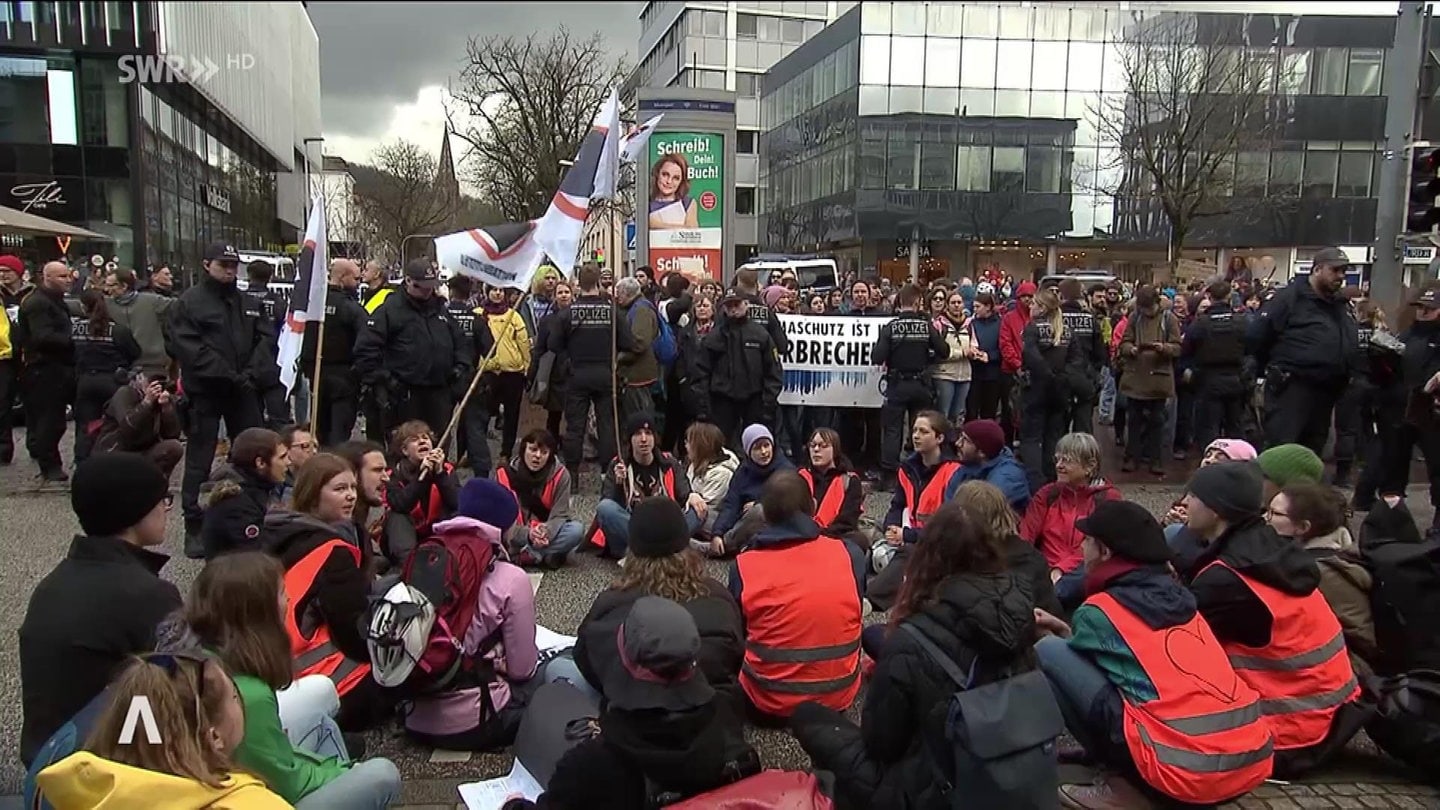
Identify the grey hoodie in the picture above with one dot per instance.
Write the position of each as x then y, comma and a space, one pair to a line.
144, 314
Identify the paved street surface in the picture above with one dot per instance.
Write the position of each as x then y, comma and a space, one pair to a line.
39, 525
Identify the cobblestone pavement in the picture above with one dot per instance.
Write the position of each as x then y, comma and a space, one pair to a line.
38, 526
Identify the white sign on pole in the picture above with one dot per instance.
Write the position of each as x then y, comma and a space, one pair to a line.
829, 363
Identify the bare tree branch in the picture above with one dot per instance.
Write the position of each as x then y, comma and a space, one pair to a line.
399, 196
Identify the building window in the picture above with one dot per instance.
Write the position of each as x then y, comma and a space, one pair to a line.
746, 26
1251, 170
1007, 171
1042, 169
1319, 176
745, 142
1329, 72
24, 97
937, 166
61, 86
744, 200
1354, 176
792, 32
901, 169
747, 85
1285, 173
972, 168
1366, 66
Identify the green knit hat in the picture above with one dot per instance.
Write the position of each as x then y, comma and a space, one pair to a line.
1286, 464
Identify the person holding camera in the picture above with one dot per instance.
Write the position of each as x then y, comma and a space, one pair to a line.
142, 418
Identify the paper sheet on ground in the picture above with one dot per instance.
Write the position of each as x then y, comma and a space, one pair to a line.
492, 793
547, 639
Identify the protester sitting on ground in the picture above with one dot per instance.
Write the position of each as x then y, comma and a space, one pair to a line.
1288, 464
102, 602
1218, 451
372, 472
1260, 594
641, 472
1130, 693
799, 594
1049, 523
984, 457
301, 445
327, 586
991, 512
923, 479
740, 517
200, 720
710, 470
422, 488
484, 717
546, 532
961, 598
141, 418
303, 757
1313, 515
664, 733
242, 491
660, 563
837, 489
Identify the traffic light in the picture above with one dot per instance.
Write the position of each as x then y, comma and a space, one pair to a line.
1421, 212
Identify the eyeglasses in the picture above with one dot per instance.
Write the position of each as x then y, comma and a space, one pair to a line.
1271, 513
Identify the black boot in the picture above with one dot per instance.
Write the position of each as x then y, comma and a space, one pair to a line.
1342, 478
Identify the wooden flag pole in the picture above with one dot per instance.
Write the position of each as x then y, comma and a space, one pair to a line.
315, 379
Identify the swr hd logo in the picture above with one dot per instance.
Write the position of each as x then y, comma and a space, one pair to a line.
140, 714
172, 69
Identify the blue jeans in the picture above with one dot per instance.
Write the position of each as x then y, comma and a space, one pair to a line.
1107, 395
614, 520
564, 542
1083, 691
951, 396
562, 668
307, 708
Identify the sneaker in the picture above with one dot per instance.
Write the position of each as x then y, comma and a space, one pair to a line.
1109, 792
866, 608
1179, 455
1342, 478
54, 476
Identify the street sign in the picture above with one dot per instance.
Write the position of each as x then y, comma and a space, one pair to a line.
630, 236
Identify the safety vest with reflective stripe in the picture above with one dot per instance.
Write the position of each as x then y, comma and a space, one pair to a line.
802, 625
918, 511
1303, 675
1203, 739
667, 481
830, 505
547, 495
431, 509
317, 655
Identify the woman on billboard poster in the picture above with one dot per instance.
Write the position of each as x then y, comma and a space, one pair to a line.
671, 207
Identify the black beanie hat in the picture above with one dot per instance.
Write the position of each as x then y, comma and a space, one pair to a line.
636, 423
112, 492
1127, 529
658, 528
1232, 490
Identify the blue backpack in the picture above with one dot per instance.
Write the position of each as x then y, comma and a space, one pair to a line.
664, 345
64, 742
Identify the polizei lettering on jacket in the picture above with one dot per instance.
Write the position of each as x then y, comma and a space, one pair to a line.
910, 330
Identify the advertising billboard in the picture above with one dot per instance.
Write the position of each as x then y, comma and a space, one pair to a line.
685, 224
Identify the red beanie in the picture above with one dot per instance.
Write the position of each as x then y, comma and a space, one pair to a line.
12, 263
987, 436
1025, 288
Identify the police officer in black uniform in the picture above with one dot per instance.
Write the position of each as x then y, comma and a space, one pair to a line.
224, 345
1420, 370
473, 423
276, 308
908, 345
412, 353
746, 285
1215, 343
737, 372
590, 334
43, 339
1084, 377
339, 389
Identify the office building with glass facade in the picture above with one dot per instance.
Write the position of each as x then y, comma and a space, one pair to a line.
977, 132
98, 129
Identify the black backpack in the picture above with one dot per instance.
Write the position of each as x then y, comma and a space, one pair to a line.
1001, 733
1406, 723
1404, 595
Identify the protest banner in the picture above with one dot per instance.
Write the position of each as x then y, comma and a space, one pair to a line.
829, 363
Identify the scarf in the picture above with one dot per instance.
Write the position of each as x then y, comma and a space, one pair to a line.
529, 486
1101, 575
493, 309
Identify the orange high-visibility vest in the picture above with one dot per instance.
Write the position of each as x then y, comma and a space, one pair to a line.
547, 495
931, 498
802, 626
667, 481
1203, 740
1303, 675
828, 507
318, 655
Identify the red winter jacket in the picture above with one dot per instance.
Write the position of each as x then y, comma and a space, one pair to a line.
1012, 325
1049, 523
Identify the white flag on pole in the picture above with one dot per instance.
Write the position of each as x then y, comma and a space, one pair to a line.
307, 300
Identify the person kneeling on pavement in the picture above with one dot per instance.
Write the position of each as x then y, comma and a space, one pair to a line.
1143, 683
960, 598
642, 471
141, 418
241, 492
664, 733
660, 563
502, 631
422, 490
799, 595
1260, 594
546, 532
739, 518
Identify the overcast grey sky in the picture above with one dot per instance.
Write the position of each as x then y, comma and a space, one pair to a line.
382, 65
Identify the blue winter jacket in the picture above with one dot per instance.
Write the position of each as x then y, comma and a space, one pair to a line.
987, 337
1004, 471
745, 488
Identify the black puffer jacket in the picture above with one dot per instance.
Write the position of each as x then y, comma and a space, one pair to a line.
888, 765
235, 502
339, 599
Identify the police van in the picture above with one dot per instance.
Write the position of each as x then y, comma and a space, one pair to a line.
811, 272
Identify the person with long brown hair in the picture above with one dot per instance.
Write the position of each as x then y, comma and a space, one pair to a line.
1048, 352
104, 353
960, 597
236, 609
198, 723
987, 505
661, 563
710, 470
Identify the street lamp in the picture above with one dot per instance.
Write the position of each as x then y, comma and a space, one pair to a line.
309, 192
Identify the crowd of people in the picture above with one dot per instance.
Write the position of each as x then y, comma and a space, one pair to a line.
351, 583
